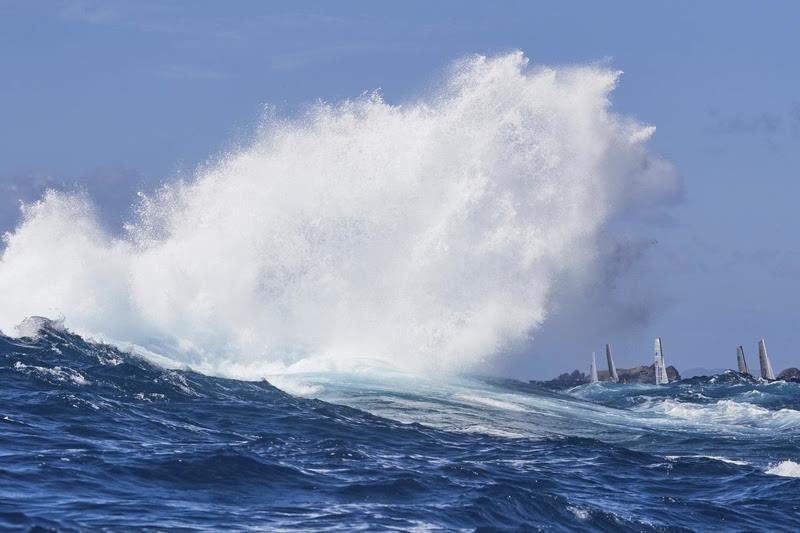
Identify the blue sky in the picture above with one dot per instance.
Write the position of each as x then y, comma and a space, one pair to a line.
119, 96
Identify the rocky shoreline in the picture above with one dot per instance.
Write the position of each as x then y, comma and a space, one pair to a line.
639, 374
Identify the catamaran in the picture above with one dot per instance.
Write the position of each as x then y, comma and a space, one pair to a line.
593, 370
612, 369
763, 358
660, 367
740, 360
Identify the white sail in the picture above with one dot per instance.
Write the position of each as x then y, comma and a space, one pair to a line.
657, 361
763, 358
741, 361
593, 370
659, 366
612, 369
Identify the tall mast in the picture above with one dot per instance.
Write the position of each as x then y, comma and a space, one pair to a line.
740, 360
763, 358
593, 370
612, 370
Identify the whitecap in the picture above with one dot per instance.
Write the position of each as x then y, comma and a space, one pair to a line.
63, 374
725, 413
784, 469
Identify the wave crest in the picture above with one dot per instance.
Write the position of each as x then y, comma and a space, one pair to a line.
784, 469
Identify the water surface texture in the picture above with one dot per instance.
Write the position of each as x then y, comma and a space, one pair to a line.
91, 437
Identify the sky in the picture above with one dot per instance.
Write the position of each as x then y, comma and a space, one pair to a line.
119, 96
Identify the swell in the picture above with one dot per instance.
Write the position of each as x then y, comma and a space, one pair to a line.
136, 445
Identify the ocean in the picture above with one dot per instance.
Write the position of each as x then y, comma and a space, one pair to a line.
95, 438
296, 322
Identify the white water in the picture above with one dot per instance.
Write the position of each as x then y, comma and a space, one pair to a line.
426, 236
728, 414
785, 469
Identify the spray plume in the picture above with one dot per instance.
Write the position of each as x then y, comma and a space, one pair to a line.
427, 236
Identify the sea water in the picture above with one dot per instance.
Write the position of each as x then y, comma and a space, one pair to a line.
92, 437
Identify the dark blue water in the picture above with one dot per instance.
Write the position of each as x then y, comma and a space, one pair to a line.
93, 438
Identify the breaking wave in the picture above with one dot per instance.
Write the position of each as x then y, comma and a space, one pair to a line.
418, 236
784, 469
728, 413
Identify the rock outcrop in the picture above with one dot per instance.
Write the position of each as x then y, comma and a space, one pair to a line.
790, 374
565, 381
639, 374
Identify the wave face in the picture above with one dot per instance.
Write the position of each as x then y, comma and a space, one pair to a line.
94, 438
426, 236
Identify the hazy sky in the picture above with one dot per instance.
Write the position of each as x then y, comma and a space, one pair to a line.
117, 96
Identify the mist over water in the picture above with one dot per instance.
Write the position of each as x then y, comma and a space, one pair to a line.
422, 236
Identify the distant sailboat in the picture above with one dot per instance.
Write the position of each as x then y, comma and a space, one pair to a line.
593, 370
763, 358
612, 369
660, 367
740, 360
